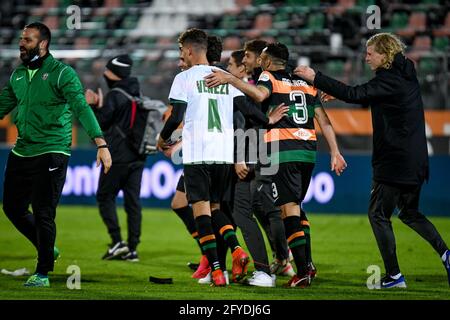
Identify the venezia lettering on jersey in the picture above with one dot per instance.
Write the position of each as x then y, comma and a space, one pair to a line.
221, 89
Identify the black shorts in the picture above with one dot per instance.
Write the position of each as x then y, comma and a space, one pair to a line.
180, 185
206, 182
291, 182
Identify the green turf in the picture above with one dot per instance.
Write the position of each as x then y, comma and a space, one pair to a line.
343, 248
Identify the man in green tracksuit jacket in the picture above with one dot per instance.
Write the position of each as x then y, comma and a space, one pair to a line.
46, 93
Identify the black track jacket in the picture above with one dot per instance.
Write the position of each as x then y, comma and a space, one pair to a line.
400, 153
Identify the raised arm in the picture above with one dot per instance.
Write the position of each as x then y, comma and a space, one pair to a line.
217, 77
363, 94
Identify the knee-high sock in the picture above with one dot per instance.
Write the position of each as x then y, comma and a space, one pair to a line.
222, 250
307, 230
208, 240
297, 243
223, 225
187, 216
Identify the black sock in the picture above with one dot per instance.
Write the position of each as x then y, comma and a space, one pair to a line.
297, 243
223, 225
187, 216
208, 240
222, 250
307, 230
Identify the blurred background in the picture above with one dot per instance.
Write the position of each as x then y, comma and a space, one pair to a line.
328, 35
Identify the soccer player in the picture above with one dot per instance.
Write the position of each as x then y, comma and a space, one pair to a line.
179, 202
400, 156
245, 190
46, 93
297, 144
268, 215
207, 144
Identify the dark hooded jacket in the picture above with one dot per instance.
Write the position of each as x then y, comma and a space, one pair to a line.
400, 153
116, 112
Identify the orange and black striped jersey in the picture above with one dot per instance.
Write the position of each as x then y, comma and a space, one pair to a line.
295, 133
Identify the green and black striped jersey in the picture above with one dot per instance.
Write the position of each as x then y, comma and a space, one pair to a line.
295, 133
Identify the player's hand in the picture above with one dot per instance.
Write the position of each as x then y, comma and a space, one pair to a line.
338, 164
306, 73
91, 97
278, 113
103, 156
217, 78
161, 145
325, 97
241, 170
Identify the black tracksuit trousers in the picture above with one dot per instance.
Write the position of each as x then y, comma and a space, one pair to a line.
126, 177
37, 181
384, 199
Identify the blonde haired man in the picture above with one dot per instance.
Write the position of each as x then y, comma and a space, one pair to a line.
400, 157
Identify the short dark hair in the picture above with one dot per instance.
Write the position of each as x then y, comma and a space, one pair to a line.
255, 46
196, 37
238, 56
277, 51
214, 51
44, 31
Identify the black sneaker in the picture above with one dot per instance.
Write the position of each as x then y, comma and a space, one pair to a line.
193, 266
116, 251
131, 256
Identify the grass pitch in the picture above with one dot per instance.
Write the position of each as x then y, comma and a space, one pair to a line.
343, 248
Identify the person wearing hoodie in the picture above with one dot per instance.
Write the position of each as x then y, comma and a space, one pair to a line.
400, 156
114, 115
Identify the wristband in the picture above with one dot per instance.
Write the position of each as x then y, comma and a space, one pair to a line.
102, 146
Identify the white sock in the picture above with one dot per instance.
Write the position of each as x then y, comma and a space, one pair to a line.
444, 256
397, 276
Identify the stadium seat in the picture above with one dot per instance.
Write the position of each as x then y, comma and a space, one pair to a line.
263, 21
50, 3
229, 22
443, 31
365, 3
428, 65
316, 22
308, 3
335, 67
417, 22
281, 19
422, 43
286, 40
130, 22
441, 44
261, 2
399, 20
